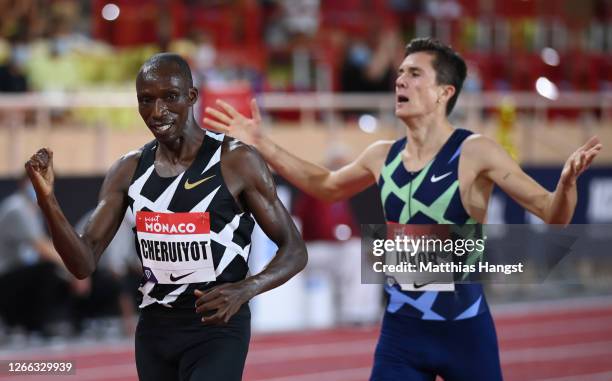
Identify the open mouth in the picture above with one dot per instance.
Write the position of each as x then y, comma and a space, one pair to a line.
402, 99
161, 128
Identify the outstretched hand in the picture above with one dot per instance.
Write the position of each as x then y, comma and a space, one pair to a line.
230, 122
40, 171
579, 161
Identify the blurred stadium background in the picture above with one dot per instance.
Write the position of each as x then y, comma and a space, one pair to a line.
540, 83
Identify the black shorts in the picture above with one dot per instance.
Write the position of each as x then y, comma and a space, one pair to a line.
173, 345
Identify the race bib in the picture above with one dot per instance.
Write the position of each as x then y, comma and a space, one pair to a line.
423, 258
175, 247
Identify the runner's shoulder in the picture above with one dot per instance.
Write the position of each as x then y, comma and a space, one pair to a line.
478, 146
122, 171
377, 150
241, 156
130, 159
239, 150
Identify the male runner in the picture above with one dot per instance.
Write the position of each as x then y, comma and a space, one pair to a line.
189, 196
436, 174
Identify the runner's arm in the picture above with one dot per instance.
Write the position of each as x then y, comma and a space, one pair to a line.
316, 180
259, 197
555, 207
262, 201
80, 253
319, 181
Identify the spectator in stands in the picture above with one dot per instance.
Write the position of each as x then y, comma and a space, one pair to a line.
443, 9
34, 282
12, 77
203, 60
369, 66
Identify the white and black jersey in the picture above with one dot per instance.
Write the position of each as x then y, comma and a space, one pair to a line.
210, 226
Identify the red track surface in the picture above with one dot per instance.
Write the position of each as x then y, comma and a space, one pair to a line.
557, 344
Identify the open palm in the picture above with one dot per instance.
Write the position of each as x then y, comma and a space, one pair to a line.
580, 160
230, 122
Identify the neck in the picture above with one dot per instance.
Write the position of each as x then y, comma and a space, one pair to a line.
426, 134
186, 146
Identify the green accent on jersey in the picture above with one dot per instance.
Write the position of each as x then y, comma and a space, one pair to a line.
435, 211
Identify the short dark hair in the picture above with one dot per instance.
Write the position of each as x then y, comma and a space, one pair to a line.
449, 66
160, 59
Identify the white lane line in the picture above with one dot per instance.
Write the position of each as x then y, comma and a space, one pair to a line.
311, 351
107, 372
508, 310
353, 374
542, 329
603, 376
509, 357
556, 352
78, 350
366, 347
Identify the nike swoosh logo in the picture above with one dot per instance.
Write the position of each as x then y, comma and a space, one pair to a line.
189, 185
417, 286
435, 179
176, 279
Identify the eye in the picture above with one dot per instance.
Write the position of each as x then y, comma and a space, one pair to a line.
172, 97
144, 100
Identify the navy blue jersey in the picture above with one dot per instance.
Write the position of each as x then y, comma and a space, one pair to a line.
429, 196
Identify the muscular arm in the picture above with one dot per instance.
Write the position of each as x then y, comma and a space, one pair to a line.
319, 181
553, 207
250, 179
262, 201
316, 180
80, 254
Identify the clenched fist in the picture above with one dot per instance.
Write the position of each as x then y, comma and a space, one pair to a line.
40, 172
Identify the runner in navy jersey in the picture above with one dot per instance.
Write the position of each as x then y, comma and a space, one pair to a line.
436, 174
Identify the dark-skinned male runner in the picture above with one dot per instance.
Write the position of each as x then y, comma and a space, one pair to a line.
190, 196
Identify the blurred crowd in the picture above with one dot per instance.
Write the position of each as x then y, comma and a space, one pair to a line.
290, 45
265, 45
40, 296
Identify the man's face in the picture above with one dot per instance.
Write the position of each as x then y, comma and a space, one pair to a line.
416, 91
164, 101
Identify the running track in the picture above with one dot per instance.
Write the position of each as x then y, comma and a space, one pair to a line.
561, 341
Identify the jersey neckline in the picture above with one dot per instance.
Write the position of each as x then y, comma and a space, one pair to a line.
198, 154
432, 160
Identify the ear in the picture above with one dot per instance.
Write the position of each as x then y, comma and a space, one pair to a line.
193, 95
446, 93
